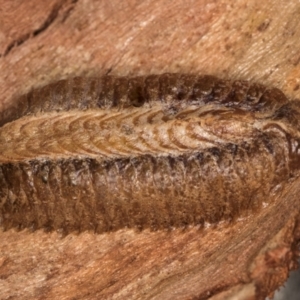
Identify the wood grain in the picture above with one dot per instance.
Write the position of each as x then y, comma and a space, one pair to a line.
252, 40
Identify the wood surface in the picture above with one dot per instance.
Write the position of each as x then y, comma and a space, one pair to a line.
43, 41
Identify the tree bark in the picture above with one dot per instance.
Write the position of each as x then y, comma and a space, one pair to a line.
41, 42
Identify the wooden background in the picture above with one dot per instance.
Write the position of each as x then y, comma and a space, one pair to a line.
43, 41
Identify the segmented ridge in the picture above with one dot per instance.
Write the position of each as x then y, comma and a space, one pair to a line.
142, 192
107, 92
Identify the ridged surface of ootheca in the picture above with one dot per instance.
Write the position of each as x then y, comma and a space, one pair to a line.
144, 152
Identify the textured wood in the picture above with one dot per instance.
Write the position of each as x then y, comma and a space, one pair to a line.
249, 40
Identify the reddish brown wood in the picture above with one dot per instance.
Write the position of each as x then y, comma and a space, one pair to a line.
257, 40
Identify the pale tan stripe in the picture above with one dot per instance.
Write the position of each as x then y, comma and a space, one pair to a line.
112, 134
